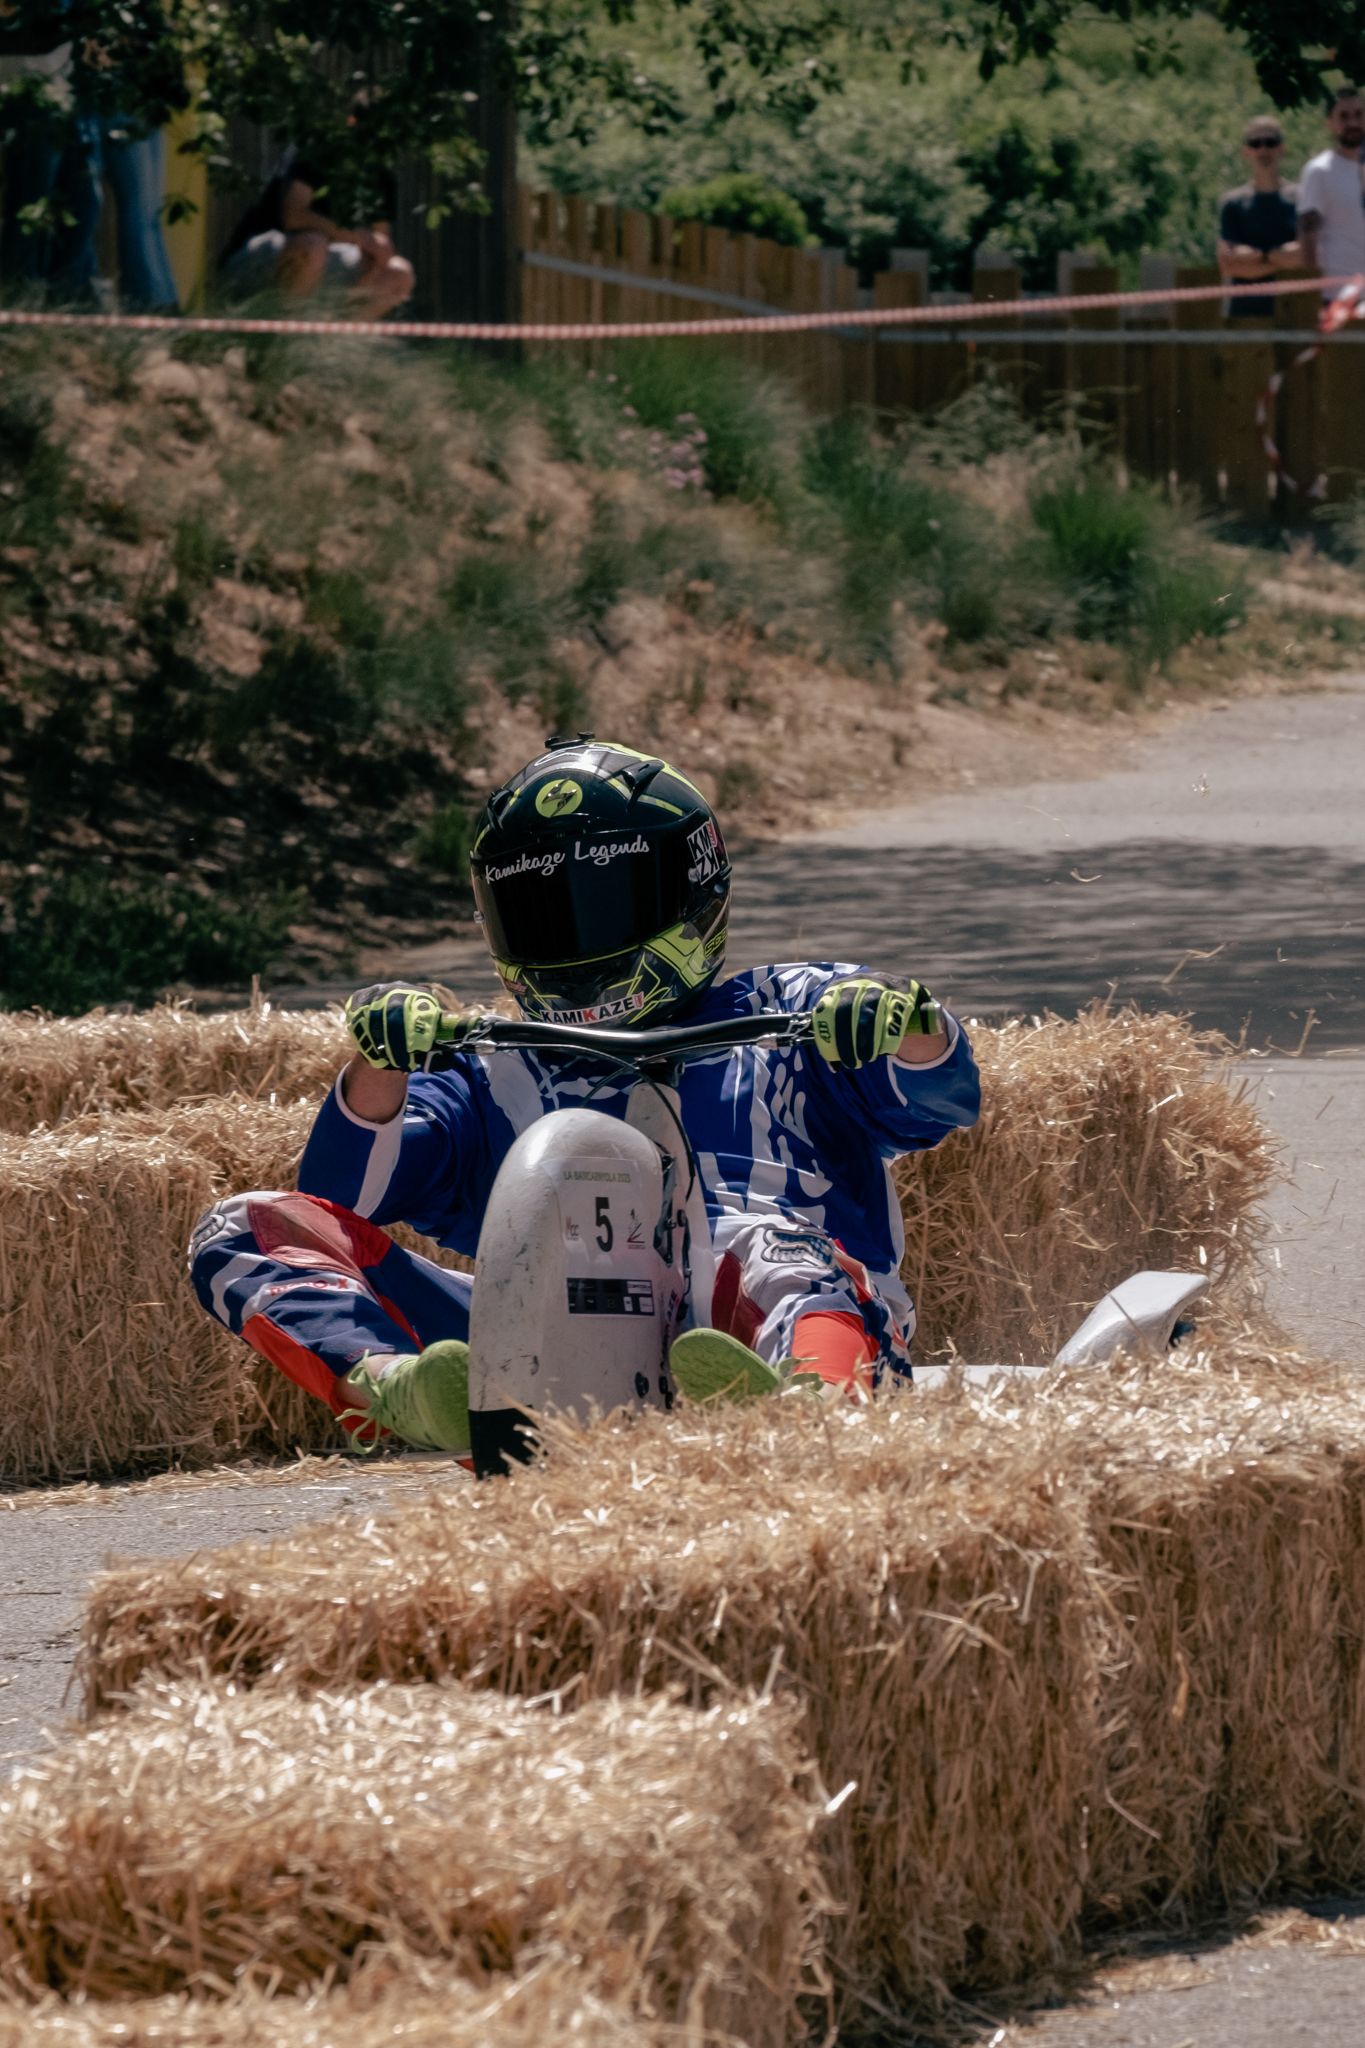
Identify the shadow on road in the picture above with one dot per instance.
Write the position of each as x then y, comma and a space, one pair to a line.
1282, 929
1240, 936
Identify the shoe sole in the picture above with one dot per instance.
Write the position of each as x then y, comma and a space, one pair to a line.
708, 1365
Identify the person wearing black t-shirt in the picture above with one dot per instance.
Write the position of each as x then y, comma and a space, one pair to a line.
290, 242
1258, 223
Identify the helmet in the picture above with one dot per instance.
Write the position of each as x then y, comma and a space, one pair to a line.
603, 884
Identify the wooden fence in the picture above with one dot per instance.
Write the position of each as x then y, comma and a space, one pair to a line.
1174, 387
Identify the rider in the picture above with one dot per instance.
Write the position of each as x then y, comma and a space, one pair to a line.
603, 884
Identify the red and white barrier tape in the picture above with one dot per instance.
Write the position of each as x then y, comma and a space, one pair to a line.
638, 330
1348, 305
1344, 308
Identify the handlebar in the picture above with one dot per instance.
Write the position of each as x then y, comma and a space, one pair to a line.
667, 1042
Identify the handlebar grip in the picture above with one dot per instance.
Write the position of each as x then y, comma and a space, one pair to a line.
458, 1026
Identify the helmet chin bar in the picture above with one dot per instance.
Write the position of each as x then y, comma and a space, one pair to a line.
653, 984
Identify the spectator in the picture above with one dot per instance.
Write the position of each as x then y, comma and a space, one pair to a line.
135, 165
32, 54
1256, 222
1331, 196
287, 241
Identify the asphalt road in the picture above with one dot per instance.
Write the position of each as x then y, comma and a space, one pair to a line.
1220, 867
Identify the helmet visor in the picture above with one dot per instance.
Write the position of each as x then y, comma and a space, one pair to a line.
605, 892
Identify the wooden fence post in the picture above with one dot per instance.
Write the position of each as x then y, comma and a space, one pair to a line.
1149, 420
637, 301
894, 361
1201, 433
1299, 424
1246, 368
995, 276
1095, 371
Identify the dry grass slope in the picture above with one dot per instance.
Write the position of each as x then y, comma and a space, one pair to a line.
213, 1843
1107, 1143
1081, 1653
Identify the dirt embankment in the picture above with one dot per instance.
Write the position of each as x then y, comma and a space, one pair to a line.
269, 623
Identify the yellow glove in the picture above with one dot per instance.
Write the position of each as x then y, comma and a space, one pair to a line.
405, 1030
858, 1021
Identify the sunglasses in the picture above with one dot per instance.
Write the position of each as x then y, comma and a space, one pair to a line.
1266, 142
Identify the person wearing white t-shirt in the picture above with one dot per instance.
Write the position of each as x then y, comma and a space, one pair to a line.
1332, 194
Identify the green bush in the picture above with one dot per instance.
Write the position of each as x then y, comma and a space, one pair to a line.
984, 421
751, 422
743, 201
907, 535
1131, 568
85, 939
442, 842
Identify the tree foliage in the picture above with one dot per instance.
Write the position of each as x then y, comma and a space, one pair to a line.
429, 72
742, 201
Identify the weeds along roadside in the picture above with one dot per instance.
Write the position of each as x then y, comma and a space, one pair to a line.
252, 597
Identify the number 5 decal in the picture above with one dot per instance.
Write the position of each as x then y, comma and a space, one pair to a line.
606, 1236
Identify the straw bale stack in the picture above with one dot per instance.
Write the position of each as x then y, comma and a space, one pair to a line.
414, 2008
55, 1068
925, 1600
207, 1841
1106, 1144
109, 1363
1090, 1650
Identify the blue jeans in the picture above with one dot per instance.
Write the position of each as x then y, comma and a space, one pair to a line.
106, 147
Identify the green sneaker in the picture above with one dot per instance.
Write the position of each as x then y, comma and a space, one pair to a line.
423, 1398
708, 1365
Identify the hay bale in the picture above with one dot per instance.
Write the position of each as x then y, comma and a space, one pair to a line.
1227, 1507
418, 2007
924, 1596
208, 1841
1106, 1144
55, 1068
109, 1363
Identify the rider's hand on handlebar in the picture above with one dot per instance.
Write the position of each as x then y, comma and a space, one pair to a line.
858, 1021
405, 1030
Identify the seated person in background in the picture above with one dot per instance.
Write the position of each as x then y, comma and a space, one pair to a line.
1257, 222
290, 242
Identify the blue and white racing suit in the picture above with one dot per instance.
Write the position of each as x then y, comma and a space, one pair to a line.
793, 1155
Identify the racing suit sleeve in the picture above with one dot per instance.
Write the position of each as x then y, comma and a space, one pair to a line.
902, 1107
427, 1166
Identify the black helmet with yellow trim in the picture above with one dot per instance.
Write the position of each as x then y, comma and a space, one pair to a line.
603, 884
